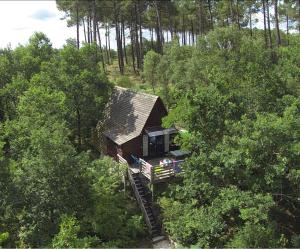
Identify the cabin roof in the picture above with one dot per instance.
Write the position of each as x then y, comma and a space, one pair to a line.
127, 114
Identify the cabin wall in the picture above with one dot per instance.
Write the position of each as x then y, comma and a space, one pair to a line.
111, 148
133, 147
158, 112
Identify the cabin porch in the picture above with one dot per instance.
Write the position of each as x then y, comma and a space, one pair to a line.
158, 169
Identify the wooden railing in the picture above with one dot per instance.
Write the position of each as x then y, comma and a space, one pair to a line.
159, 172
121, 159
139, 200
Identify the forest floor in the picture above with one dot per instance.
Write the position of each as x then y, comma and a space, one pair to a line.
129, 79
163, 244
114, 75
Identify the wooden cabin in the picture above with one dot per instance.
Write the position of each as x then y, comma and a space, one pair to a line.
133, 126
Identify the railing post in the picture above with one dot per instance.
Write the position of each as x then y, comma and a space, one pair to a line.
152, 174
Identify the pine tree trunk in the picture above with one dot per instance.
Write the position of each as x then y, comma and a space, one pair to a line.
170, 24
106, 44
269, 24
277, 22
158, 29
109, 51
299, 15
77, 25
265, 22
193, 33
200, 18
167, 36
141, 36
151, 34
287, 26
94, 22
136, 32
250, 17
88, 30
84, 31
124, 41
238, 14
184, 33
210, 14
231, 12
118, 38
132, 48
100, 45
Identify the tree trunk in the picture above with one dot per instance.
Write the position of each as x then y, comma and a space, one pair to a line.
193, 33
170, 24
238, 15
124, 41
265, 22
91, 31
200, 18
88, 30
77, 25
184, 33
84, 31
118, 38
231, 12
250, 17
210, 14
108, 28
158, 29
137, 47
299, 15
269, 24
100, 45
132, 48
106, 44
167, 36
287, 26
151, 34
94, 22
277, 22
141, 35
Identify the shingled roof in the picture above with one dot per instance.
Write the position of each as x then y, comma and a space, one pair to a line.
127, 114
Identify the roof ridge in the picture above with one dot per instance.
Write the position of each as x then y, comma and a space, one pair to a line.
136, 91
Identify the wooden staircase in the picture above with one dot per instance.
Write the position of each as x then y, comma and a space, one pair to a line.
144, 200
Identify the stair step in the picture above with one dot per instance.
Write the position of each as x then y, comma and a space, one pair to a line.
158, 238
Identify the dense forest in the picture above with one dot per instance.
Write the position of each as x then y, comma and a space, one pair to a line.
233, 86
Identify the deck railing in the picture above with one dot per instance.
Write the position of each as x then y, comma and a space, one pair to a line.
139, 200
121, 159
157, 173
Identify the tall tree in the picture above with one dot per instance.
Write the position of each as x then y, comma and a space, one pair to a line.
277, 22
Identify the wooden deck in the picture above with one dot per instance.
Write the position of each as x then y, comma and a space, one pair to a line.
153, 171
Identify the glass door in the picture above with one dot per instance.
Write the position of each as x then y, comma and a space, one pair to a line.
156, 146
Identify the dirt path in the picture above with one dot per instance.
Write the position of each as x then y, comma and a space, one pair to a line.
162, 244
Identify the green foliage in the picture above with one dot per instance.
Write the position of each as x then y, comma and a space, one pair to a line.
3, 237
68, 235
108, 216
124, 81
150, 68
296, 241
242, 119
255, 236
79, 76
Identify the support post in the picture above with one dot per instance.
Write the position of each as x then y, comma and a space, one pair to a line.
152, 193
